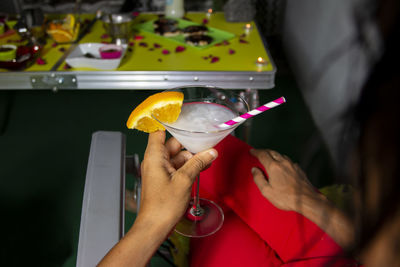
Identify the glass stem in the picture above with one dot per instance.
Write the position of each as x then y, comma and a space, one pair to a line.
196, 210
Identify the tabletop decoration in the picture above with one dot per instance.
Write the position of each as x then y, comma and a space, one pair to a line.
204, 21
62, 49
139, 37
156, 45
40, 61
231, 51
131, 43
104, 36
67, 67
179, 48
209, 13
54, 44
143, 44
242, 41
247, 28
165, 52
214, 59
260, 62
209, 37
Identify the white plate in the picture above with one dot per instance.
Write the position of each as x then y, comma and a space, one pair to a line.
77, 59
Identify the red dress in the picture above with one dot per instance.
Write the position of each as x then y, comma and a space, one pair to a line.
255, 233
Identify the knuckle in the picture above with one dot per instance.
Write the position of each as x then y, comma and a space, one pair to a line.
199, 163
275, 166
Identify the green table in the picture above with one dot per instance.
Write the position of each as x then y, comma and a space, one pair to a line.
230, 64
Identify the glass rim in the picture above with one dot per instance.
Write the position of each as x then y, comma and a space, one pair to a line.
231, 127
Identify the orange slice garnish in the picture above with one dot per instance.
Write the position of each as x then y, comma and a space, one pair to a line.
165, 106
60, 35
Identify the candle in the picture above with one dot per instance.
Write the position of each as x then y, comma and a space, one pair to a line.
261, 62
209, 12
248, 28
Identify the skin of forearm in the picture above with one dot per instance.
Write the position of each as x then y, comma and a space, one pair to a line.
139, 244
329, 218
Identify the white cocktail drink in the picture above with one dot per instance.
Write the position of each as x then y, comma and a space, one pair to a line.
196, 128
203, 109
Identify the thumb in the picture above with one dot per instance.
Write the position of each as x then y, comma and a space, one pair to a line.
197, 163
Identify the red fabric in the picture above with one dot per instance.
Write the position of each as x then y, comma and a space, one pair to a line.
293, 238
225, 247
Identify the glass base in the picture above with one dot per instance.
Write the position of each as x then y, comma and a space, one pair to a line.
209, 222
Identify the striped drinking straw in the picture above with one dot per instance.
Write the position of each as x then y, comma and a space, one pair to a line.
253, 112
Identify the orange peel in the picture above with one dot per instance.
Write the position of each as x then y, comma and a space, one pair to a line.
165, 106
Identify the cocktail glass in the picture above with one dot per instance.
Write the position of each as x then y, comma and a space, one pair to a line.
203, 217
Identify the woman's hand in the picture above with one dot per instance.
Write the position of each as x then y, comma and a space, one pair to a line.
287, 187
167, 177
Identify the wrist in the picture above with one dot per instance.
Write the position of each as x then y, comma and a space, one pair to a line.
311, 202
154, 225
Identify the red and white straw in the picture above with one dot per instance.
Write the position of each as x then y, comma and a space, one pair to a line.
253, 112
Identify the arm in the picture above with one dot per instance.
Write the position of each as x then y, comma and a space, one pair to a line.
167, 177
289, 189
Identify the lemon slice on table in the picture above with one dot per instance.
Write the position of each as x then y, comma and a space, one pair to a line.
165, 106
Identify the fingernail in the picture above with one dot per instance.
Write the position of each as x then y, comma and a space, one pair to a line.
213, 153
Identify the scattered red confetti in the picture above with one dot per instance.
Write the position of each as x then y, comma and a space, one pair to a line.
139, 37
179, 48
218, 44
62, 49
40, 61
225, 42
135, 13
205, 21
54, 44
165, 52
231, 51
104, 42
214, 59
66, 67
131, 43
156, 45
243, 41
143, 44
105, 36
